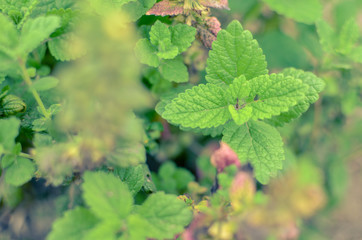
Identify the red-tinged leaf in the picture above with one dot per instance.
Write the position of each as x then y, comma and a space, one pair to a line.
166, 7
209, 31
224, 157
223, 4
213, 25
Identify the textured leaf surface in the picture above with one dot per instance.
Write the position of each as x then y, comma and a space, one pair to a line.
9, 129
315, 86
66, 47
276, 93
106, 195
146, 53
37, 30
182, 36
202, 106
259, 143
132, 176
159, 33
73, 225
174, 70
241, 116
165, 214
306, 11
239, 89
234, 53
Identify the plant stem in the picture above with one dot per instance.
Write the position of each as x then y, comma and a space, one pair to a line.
33, 91
25, 155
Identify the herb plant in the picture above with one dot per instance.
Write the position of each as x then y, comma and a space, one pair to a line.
145, 119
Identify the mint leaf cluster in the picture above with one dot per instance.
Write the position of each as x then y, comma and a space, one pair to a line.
346, 41
112, 214
163, 48
239, 95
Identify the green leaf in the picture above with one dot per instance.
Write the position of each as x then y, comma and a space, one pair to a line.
182, 36
348, 36
35, 31
137, 9
160, 37
8, 34
242, 115
106, 195
276, 94
66, 47
234, 53
174, 70
20, 172
146, 53
165, 214
202, 106
132, 176
315, 86
305, 11
9, 130
159, 32
259, 143
106, 230
239, 89
167, 97
74, 225
45, 83
327, 36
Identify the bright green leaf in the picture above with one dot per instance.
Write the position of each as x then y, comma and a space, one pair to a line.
159, 32
165, 214
239, 89
9, 129
234, 53
202, 106
315, 86
74, 225
106, 195
132, 176
35, 31
20, 172
45, 83
275, 94
242, 115
259, 143
146, 53
182, 36
174, 70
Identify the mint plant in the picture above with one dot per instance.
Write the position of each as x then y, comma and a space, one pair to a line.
240, 90
112, 213
145, 119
